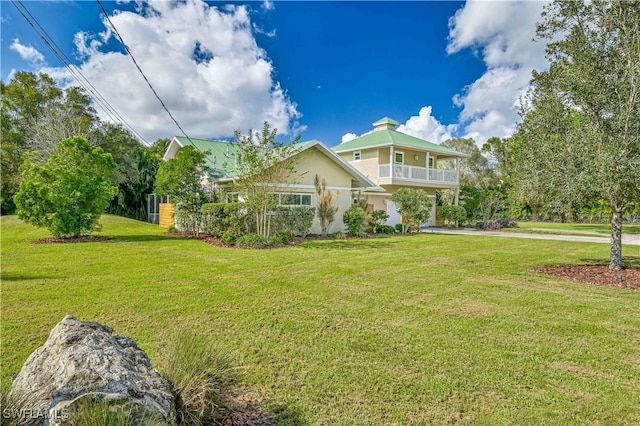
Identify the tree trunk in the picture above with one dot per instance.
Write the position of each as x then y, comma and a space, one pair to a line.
615, 262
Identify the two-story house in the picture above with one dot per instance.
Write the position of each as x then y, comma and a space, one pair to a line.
394, 160
372, 166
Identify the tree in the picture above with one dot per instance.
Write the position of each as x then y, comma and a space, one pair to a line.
262, 165
326, 205
453, 214
414, 205
595, 73
70, 114
181, 179
68, 194
24, 98
475, 169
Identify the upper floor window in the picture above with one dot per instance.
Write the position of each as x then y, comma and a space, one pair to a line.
399, 157
357, 155
431, 162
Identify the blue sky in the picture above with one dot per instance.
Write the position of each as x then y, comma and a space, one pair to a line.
326, 70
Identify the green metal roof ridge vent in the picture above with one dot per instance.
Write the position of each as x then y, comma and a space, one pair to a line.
386, 123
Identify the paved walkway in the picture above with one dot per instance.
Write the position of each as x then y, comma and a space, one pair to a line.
626, 238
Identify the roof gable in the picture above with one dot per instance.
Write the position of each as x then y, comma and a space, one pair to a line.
221, 154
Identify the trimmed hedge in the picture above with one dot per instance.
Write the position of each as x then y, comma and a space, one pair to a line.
221, 217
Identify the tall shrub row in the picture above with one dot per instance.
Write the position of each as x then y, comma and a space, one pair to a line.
231, 221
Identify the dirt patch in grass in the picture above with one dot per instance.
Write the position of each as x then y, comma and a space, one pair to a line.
80, 239
246, 409
595, 274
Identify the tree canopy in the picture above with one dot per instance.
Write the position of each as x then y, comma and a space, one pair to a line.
261, 164
70, 191
580, 137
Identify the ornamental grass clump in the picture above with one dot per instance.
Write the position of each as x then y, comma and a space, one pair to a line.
201, 375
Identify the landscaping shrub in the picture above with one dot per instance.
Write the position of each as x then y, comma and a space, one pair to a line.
399, 227
378, 220
283, 237
201, 376
414, 206
453, 214
300, 219
338, 235
385, 229
355, 219
220, 217
229, 237
496, 225
254, 241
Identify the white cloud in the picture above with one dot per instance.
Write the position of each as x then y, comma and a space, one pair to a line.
85, 45
27, 53
268, 5
204, 63
502, 32
426, 126
348, 137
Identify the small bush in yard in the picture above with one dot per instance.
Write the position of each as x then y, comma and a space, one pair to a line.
385, 229
301, 219
378, 220
220, 217
229, 237
355, 219
254, 241
454, 214
283, 237
201, 377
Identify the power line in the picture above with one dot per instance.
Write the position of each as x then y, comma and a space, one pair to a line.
104, 11
73, 69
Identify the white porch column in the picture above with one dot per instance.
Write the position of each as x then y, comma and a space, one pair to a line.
456, 197
392, 162
426, 160
457, 171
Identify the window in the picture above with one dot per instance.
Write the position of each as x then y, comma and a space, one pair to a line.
357, 155
431, 162
232, 197
294, 199
399, 157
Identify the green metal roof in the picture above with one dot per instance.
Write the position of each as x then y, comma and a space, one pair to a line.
220, 153
378, 138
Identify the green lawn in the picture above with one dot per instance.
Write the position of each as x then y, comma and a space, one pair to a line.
605, 229
426, 329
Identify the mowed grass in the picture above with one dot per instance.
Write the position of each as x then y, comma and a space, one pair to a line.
602, 228
425, 329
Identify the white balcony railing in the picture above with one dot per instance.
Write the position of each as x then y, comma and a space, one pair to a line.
421, 174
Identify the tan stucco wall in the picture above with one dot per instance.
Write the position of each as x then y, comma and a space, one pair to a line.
368, 163
312, 162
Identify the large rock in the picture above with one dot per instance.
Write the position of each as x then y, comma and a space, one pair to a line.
83, 362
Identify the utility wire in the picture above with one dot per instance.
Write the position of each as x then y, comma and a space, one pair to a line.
73, 69
106, 14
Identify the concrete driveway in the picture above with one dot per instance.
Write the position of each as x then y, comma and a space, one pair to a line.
626, 238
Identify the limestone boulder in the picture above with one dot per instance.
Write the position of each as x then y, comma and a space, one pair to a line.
82, 363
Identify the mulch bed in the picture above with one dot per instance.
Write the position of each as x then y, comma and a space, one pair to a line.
595, 274
81, 239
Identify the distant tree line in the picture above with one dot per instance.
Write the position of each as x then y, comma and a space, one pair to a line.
37, 115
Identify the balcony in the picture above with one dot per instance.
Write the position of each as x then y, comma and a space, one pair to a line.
419, 174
